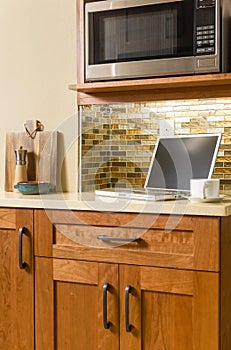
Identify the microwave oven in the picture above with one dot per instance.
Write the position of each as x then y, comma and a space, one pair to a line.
127, 39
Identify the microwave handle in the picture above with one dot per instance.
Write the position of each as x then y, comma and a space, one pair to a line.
152, 2
121, 4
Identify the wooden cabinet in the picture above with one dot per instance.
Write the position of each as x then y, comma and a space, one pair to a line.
68, 305
155, 89
162, 291
16, 284
169, 309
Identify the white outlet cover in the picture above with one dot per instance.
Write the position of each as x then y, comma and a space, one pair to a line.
166, 128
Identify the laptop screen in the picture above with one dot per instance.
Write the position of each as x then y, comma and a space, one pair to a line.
178, 159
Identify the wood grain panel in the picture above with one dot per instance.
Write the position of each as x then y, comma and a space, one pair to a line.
66, 313
17, 285
225, 284
23, 294
8, 218
136, 220
206, 311
180, 93
76, 316
207, 242
180, 321
75, 271
153, 89
152, 240
87, 235
130, 276
43, 234
108, 338
167, 280
204, 80
8, 271
193, 243
123, 256
44, 304
167, 321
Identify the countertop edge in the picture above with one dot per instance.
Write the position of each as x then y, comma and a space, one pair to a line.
87, 202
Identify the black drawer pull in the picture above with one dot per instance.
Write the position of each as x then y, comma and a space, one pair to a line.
128, 325
22, 264
106, 323
116, 239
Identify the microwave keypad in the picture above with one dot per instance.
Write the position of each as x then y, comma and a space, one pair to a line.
205, 3
205, 39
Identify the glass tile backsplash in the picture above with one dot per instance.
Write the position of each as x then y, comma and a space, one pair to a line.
117, 140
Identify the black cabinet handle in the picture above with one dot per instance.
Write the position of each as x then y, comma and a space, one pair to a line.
128, 325
106, 323
116, 239
22, 264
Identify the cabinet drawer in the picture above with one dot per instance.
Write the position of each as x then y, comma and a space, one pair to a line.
190, 242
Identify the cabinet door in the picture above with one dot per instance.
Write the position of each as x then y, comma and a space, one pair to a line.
69, 305
16, 284
168, 309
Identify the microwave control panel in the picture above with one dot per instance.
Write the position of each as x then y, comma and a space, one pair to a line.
205, 30
205, 3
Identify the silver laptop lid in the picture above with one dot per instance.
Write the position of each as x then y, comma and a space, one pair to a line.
178, 159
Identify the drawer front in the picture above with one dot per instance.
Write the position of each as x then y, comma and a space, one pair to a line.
190, 242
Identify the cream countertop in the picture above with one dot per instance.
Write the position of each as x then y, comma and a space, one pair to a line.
88, 202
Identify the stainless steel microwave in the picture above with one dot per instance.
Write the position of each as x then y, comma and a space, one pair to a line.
127, 39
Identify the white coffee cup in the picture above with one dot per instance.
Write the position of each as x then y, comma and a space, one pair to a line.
205, 188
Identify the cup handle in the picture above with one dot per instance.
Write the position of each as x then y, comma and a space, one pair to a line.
204, 190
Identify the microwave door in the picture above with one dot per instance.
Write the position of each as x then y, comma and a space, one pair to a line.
139, 41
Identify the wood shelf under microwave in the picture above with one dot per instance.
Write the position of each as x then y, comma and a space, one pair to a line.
168, 88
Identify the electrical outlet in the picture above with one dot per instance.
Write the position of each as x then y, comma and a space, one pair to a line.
166, 128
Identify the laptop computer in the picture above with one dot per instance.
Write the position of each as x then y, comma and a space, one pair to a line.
175, 161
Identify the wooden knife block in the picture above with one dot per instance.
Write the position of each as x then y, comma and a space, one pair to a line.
42, 162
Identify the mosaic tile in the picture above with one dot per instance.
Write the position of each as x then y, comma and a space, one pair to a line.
118, 139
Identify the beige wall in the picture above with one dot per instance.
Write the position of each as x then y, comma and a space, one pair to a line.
37, 62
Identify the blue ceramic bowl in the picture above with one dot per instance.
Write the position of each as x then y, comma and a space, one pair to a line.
33, 187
